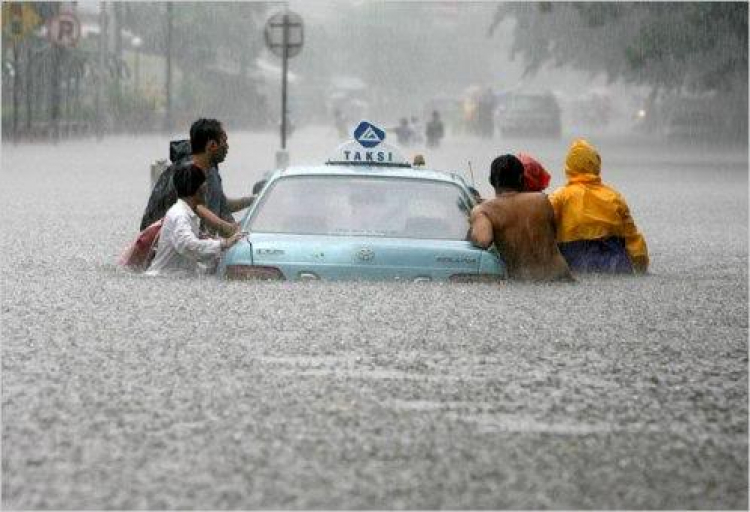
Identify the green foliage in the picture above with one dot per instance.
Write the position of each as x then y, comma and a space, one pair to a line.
697, 45
204, 33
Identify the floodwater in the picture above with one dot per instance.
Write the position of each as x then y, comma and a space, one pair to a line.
125, 392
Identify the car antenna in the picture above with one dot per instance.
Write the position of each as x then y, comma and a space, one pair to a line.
471, 172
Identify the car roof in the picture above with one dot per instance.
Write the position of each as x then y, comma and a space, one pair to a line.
370, 171
367, 154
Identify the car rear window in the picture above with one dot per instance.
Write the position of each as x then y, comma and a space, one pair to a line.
533, 103
363, 206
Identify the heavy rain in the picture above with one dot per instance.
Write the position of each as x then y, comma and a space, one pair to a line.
122, 391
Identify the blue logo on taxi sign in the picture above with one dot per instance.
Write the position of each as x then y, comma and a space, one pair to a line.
368, 135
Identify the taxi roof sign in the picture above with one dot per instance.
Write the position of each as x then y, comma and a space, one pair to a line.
368, 134
368, 148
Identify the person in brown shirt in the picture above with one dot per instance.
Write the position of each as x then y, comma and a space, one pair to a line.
520, 224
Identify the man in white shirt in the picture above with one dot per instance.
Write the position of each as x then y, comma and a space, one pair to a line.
180, 250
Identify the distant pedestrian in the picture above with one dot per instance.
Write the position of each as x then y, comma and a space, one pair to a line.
435, 130
486, 113
180, 249
404, 134
595, 230
520, 224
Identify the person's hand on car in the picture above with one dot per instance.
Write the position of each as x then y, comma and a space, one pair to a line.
226, 243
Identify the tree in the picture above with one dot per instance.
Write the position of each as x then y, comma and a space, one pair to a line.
214, 46
696, 46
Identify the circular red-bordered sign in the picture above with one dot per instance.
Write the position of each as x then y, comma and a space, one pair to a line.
64, 30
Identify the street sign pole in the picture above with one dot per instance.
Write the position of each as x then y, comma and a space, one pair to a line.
16, 88
101, 64
285, 68
168, 84
63, 31
284, 37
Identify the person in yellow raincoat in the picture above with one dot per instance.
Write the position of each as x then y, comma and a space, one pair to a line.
595, 231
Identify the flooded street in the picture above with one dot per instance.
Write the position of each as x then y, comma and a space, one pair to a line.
126, 392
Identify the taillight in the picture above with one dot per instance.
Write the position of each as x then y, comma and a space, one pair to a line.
245, 272
475, 278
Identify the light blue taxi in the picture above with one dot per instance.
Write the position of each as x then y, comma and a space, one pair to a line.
365, 214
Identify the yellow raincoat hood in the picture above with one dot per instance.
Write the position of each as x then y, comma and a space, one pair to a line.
587, 209
583, 161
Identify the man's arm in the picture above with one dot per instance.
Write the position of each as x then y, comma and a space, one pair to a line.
215, 222
236, 205
189, 245
481, 233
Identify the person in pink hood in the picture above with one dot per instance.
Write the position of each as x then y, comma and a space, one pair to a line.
535, 176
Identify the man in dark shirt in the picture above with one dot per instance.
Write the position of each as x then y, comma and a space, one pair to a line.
520, 224
209, 147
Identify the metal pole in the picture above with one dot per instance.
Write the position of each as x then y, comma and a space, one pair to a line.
16, 88
55, 92
137, 76
168, 85
101, 67
29, 86
117, 34
55, 86
284, 60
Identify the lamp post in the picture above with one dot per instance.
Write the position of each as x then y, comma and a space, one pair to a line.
137, 42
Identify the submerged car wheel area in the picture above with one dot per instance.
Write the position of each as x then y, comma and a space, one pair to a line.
365, 215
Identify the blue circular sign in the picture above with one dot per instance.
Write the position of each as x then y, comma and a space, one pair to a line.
368, 135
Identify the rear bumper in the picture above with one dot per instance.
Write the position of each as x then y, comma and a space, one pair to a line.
306, 257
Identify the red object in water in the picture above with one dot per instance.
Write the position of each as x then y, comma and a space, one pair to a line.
139, 254
535, 177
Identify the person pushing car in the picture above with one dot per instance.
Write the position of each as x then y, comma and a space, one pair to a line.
180, 249
595, 230
520, 224
209, 147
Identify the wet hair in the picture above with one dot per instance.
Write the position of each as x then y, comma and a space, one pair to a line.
202, 131
188, 179
506, 172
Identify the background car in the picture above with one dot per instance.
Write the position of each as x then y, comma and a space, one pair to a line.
520, 114
692, 118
